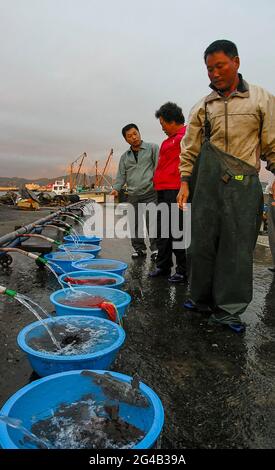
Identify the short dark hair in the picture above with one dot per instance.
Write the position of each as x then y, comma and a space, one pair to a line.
170, 112
222, 45
127, 128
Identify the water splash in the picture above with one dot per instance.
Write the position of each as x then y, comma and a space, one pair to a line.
86, 424
24, 300
30, 437
75, 293
73, 290
75, 339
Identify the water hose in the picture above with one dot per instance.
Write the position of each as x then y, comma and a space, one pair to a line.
60, 223
43, 237
25, 253
66, 232
71, 216
9, 292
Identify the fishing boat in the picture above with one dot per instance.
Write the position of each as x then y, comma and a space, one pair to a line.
60, 187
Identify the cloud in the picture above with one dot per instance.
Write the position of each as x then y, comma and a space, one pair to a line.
73, 73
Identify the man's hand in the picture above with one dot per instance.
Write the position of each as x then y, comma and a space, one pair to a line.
183, 195
273, 190
114, 193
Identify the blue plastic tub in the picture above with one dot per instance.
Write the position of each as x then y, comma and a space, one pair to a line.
82, 247
98, 354
83, 239
102, 264
119, 298
119, 280
65, 265
39, 399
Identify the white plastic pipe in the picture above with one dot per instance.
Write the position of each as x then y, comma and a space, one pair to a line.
36, 235
17, 250
53, 226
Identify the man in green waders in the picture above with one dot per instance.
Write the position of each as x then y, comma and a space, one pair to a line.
228, 132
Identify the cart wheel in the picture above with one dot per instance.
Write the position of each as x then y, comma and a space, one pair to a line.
5, 261
9, 259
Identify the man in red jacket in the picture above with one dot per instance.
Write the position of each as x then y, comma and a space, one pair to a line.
167, 183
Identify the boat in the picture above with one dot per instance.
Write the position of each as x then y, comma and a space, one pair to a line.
60, 187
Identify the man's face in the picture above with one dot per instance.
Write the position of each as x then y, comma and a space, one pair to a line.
222, 70
167, 127
133, 137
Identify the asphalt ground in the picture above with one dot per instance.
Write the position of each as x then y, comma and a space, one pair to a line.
217, 388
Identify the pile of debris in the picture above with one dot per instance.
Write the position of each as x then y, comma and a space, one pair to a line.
9, 198
27, 200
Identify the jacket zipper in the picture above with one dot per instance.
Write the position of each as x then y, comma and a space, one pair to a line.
226, 125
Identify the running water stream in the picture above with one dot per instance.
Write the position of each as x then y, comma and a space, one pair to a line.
75, 237
75, 219
75, 291
22, 296
24, 300
82, 225
49, 266
30, 437
68, 252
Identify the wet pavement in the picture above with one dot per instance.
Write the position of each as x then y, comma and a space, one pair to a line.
217, 388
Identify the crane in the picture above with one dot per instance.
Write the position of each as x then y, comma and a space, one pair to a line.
105, 168
96, 173
73, 179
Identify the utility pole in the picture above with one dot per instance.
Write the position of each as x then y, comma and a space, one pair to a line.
96, 173
74, 178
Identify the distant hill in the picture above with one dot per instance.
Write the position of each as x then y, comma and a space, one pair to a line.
18, 182
14, 181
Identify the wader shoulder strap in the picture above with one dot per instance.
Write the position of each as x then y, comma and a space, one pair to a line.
207, 125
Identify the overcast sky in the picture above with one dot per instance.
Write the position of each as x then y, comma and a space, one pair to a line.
73, 72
